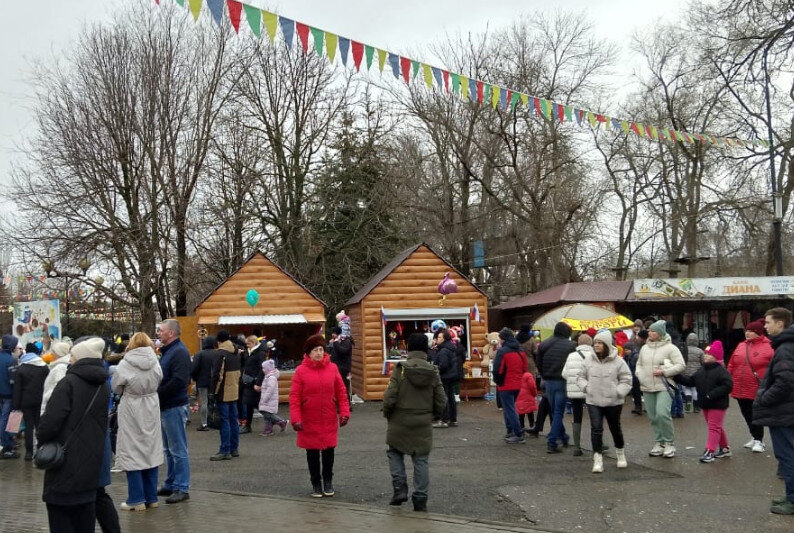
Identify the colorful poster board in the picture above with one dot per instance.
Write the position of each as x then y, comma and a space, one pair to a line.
34, 320
713, 287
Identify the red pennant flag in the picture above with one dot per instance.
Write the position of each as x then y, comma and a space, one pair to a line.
648, 131
235, 9
561, 112
445, 73
634, 128
405, 66
480, 91
303, 35
538, 110
358, 53
601, 118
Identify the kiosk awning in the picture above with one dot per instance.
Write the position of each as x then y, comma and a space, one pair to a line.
261, 319
426, 313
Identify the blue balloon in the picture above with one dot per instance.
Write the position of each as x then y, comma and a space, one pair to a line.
252, 297
437, 324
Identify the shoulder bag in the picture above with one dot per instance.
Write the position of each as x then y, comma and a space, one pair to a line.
51, 455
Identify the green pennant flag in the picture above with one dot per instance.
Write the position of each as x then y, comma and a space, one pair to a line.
455, 82
195, 8
568, 113
415, 67
319, 38
513, 101
381, 59
369, 52
181, 3
495, 92
271, 24
254, 17
428, 75
330, 45
486, 93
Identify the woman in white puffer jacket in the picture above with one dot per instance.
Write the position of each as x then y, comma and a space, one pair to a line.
570, 372
57, 370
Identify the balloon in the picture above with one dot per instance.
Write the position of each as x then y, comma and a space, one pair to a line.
252, 297
437, 324
447, 285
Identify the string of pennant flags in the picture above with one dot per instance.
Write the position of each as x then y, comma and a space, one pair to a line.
327, 44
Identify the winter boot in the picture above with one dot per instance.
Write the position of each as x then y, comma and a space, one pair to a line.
621, 455
420, 504
283, 424
598, 463
696, 406
576, 432
688, 403
268, 430
400, 493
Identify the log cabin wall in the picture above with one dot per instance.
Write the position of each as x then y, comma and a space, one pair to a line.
412, 284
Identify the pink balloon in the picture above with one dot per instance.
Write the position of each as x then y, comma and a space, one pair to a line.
447, 285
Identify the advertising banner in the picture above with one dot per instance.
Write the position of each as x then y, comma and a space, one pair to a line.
713, 287
34, 320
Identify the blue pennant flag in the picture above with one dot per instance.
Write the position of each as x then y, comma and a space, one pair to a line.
615, 124
344, 46
288, 29
473, 90
394, 61
437, 76
503, 98
578, 114
216, 8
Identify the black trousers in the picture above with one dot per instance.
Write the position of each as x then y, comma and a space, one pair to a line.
72, 518
106, 513
530, 417
249, 413
746, 407
577, 406
318, 471
597, 416
543, 412
451, 412
31, 417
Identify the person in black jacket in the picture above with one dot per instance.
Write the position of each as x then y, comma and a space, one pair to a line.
77, 412
341, 350
552, 354
446, 358
200, 373
774, 402
224, 386
28, 392
251, 370
714, 385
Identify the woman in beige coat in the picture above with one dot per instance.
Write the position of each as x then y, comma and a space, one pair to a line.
139, 446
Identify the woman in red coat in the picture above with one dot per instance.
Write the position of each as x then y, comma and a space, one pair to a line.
747, 367
316, 394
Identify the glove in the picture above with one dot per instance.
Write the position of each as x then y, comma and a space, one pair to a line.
297, 426
343, 420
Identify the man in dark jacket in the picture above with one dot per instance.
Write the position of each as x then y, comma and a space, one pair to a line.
200, 373
414, 396
447, 360
509, 366
251, 367
7, 364
28, 392
774, 402
174, 410
223, 385
70, 491
552, 354
342, 355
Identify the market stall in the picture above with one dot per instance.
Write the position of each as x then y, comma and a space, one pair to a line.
262, 299
408, 296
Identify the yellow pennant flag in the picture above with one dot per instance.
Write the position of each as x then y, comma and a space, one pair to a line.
195, 8
625, 126
524, 99
271, 23
592, 118
464, 87
381, 58
330, 45
495, 91
428, 75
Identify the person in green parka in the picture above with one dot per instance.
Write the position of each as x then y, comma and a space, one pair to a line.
413, 398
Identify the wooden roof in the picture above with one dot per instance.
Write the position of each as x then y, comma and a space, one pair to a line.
588, 291
392, 265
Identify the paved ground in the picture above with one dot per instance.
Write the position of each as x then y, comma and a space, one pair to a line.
478, 483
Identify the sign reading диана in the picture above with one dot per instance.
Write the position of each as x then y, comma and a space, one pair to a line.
712, 287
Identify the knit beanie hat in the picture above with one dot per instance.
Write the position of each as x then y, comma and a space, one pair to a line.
605, 337
715, 350
757, 327
313, 342
90, 348
268, 366
638, 324
60, 349
660, 327
506, 334
9, 343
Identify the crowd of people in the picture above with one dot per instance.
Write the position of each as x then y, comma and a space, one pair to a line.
133, 403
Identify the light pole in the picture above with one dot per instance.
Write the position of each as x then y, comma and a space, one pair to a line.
51, 271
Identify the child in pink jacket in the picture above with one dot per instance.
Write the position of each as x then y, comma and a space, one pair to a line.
268, 401
526, 403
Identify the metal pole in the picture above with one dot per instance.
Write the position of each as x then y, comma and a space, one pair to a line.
777, 199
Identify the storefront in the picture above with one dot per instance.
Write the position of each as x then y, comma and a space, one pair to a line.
403, 298
283, 311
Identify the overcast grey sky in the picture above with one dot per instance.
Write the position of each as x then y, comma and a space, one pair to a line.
36, 30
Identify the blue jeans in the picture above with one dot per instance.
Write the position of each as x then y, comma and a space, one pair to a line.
175, 448
783, 445
555, 392
142, 486
678, 402
230, 430
6, 439
512, 423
